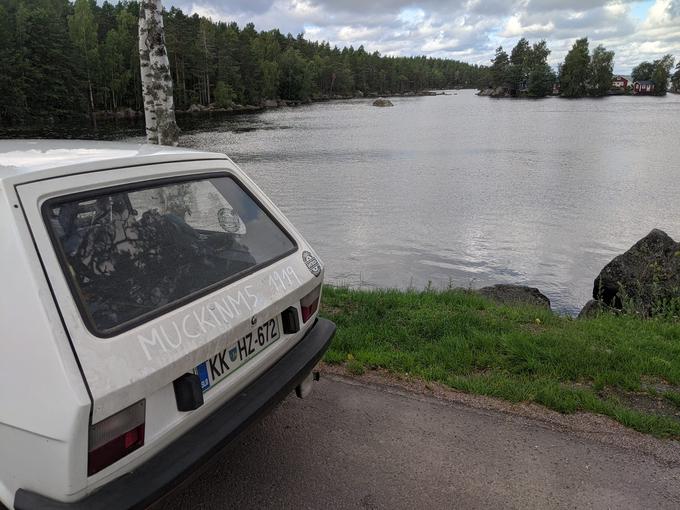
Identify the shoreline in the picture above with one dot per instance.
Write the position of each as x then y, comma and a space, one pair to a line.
131, 115
268, 104
518, 352
496, 94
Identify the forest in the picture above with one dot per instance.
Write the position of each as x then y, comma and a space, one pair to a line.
583, 73
63, 60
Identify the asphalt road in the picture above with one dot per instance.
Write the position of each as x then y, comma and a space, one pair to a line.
351, 445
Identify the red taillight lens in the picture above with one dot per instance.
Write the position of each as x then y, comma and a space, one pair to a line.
310, 303
116, 436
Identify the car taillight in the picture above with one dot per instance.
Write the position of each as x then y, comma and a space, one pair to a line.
114, 437
310, 303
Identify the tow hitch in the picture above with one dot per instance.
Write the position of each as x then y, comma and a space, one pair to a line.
305, 387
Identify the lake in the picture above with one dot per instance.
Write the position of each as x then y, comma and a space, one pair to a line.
462, 190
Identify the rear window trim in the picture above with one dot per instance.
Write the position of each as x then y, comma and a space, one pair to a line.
141, 185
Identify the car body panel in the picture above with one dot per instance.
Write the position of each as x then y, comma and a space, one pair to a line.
154, 353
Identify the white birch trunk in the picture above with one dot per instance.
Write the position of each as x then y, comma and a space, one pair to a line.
159, 108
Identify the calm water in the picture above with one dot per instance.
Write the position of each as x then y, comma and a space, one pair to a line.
465, 190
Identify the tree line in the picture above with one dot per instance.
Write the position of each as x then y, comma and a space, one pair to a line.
525, 72
658, 72
60, 59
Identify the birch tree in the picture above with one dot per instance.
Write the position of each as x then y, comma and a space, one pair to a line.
159, 109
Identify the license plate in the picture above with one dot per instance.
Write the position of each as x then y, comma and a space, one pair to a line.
226, 361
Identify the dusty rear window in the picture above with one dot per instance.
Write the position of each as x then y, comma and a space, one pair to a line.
130, 254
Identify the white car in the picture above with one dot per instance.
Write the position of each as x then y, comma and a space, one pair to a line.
153, 303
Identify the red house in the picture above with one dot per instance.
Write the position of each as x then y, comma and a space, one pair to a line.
619, 82
643, 87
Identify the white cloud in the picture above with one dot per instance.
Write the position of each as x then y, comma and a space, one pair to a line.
514, 28
465, 29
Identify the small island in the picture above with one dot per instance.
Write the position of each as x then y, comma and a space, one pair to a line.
526, 73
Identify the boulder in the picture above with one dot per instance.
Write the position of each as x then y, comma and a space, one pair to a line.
381, 101
499, 92
642, 278
515, 294
593, 308
270, 103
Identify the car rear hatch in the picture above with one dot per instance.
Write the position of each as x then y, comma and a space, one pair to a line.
165, 270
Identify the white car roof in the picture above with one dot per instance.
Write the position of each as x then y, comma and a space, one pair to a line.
36, 159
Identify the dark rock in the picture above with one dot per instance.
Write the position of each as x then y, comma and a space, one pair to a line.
643, 277
593, 308
382, 102
515, 294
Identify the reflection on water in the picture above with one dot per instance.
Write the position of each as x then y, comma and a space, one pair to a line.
465, 191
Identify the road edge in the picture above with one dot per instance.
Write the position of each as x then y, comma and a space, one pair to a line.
593, 427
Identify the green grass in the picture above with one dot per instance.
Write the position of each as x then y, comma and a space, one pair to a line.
518, 353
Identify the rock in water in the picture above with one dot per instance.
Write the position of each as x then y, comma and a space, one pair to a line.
515, 294
645, 276
381, 101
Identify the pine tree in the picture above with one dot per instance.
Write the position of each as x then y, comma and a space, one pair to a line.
499, 68
575, 70
12, 87
83, 32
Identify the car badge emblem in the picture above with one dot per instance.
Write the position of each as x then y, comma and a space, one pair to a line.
312, 263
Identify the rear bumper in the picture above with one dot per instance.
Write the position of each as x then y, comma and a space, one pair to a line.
176, 462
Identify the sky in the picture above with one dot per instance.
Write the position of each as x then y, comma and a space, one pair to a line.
468, 30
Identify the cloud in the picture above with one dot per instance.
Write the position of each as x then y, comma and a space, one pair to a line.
465, 29
515, 28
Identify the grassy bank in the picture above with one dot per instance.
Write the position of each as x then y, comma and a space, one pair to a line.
622, 367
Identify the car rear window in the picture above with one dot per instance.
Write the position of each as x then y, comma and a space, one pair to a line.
132, 253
